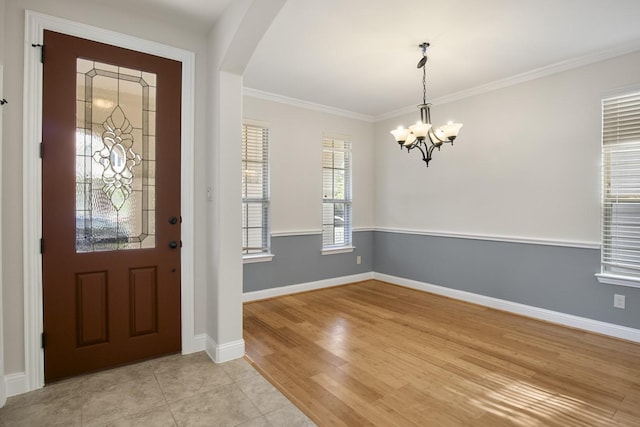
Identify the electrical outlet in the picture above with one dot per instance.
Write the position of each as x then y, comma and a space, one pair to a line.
358, 260
618, 301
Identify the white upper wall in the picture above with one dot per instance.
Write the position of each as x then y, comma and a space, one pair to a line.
2, 6
296, 163
526, 164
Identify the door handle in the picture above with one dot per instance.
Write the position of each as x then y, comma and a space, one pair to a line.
173, 220
173, 244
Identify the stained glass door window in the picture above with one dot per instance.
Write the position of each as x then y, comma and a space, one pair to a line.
115, 157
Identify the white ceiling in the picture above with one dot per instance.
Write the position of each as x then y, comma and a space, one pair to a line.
360, 55
199, 15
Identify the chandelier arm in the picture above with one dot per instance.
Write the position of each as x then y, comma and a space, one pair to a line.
430, 153
426, 156
434, 138
414, 145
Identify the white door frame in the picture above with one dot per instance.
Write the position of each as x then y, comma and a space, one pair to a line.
3, 383
35, 24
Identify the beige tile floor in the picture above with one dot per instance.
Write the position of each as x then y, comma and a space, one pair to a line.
176, 390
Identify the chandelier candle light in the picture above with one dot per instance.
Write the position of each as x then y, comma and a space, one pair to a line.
418, 135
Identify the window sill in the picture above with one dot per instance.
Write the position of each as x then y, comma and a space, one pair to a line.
611, 279
338, 250
250, 259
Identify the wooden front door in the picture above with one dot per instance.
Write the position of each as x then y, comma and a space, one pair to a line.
110, 205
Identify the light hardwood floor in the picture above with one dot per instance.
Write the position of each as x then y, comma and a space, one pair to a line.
372, 353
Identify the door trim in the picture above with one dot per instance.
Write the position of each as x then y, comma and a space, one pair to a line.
3, 383
35, 24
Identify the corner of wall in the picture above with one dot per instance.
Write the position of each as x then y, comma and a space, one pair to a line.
221, 353
15, 384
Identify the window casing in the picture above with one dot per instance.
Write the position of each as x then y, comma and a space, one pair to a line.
255, 190
336, 194
621, 190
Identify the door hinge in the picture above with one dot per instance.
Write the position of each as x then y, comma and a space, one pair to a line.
41, 46
42, 246
180, 243
180, 219
43, 339
41, 150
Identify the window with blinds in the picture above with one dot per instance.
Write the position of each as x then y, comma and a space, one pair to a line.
255, 190
621, 187
336, 193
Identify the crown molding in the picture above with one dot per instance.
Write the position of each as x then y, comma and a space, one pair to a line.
534, 74
268, 96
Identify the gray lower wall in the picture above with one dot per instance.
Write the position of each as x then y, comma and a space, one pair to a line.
551, 277
298, 259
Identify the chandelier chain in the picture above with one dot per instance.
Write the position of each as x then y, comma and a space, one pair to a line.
424, 85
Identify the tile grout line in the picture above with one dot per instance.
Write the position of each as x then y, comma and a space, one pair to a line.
164, 396
264, 414
92, 387
276, 385
256, 374
82, 402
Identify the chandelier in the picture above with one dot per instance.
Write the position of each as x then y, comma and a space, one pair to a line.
422, 135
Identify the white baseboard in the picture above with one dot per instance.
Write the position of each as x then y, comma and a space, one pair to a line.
15, 383
221, 353
303, 287
564, 319
199, 343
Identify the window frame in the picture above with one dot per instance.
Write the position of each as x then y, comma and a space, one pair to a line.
265, 200
347, 217
620, 138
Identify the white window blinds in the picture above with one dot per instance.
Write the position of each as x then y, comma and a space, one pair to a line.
621, 186
255, 190
336, 193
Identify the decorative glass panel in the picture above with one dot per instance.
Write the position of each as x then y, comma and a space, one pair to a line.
115, 158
